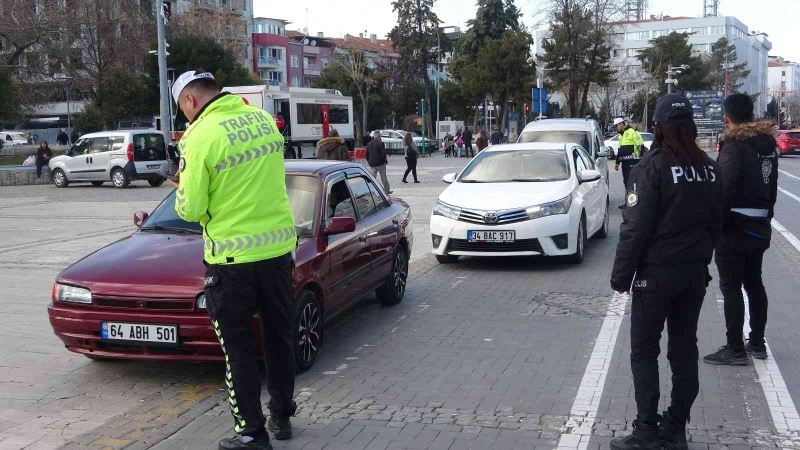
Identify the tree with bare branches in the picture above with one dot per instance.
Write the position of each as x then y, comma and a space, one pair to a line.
25, 25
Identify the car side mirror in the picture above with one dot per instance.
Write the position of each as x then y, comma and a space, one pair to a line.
605, 152
589, 175
139, 217
340, 225
450, 178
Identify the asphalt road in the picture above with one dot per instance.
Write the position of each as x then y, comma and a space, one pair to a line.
518, 353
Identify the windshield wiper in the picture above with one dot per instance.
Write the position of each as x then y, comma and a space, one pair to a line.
470, 181
528, 180
177, 229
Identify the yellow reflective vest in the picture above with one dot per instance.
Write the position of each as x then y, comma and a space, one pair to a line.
630, 145
233, 182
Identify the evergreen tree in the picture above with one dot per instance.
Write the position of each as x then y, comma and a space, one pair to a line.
577, 53
415, 39
723, 59
674, 49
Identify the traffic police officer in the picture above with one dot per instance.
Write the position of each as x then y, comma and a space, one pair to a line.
671, 222
749, 169
232, 181
630, 149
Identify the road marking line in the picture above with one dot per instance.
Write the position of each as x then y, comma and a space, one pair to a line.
786, 234
587, 401
788, 174
789, 194
781, 406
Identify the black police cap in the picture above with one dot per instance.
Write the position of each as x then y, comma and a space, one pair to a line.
673, 109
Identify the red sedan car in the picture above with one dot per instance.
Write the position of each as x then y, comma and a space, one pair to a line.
142, 296
788, 142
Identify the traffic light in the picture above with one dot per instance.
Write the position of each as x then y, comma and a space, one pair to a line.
166, 11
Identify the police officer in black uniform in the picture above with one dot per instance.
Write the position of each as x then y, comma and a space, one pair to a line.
749, 170
671, 222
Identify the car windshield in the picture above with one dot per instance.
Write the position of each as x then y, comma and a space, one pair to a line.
648, 136
517, 165
302, 191
570, 136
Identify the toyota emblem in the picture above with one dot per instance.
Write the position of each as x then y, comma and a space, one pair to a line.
490, 218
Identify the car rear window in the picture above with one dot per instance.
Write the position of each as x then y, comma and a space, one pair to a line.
793, 135
149, 147
557, 136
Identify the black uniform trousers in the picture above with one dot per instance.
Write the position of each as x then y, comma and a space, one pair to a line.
234, 294
739, 262
411, 167
671, 293
627, 165
468, 151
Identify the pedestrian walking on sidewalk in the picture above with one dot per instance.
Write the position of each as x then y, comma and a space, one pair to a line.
749, 171
411, 154
482, 142
245, 200
43, 155
332, 148
460, 145
62, 139
496, 138
672, 219
448, 145
467, 136
377, 160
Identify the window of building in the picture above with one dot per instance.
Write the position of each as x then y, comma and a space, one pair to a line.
632, 52
262, 52
276, 53
699, 31
274, 75
295, 61
699, 48
305, 63
659, 33
296, 81
637, 36
616, 53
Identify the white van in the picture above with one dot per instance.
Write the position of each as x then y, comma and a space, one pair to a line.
303, 110
13, 138
116, 156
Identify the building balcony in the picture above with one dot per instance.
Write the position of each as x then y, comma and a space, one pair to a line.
272, 82
311, 69
269, 61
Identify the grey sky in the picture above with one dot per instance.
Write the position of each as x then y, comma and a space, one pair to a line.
337, 17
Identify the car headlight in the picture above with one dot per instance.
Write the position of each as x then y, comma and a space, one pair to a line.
445, 210
72, 294
550, 209
201, 301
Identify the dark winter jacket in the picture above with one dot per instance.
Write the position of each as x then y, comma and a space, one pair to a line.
496, 137
467, 137
332, 148
673, 215
482, 142
749, 170
43, 156
376, 153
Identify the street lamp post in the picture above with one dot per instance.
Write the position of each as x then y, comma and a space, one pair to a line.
673, 71
68, 87
162, 71
438, 78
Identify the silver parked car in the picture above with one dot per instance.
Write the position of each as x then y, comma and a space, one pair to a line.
116, 156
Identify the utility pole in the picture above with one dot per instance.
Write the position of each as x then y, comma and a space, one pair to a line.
162, 72
438, 78
673, 71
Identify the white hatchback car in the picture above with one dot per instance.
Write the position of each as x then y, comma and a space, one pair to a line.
521, 200
116, 156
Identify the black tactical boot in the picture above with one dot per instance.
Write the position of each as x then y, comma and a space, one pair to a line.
281, 427
246, 443
672, 434
644, 437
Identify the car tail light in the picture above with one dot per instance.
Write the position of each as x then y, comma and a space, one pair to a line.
130, 152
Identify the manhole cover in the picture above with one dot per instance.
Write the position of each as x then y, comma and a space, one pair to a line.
567, 304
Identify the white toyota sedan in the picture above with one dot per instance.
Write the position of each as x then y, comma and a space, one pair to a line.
521, 200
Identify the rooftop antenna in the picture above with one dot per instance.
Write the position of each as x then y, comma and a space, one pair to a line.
710, 8
635, 9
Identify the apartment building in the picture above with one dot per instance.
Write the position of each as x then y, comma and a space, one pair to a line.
631, 37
